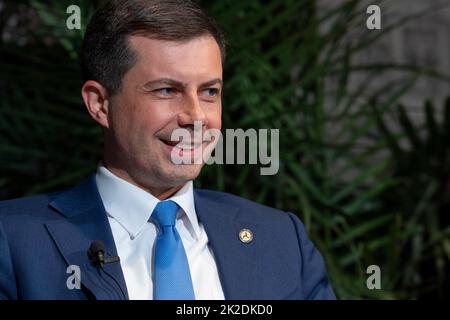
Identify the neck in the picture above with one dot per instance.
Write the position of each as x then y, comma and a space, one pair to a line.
160, 193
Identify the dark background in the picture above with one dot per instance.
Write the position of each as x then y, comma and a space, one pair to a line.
363, 117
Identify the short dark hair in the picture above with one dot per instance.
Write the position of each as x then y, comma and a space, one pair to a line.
106, 56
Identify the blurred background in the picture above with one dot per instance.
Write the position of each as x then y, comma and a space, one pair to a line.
364, 119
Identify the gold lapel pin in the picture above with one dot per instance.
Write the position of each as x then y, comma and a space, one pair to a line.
245, 235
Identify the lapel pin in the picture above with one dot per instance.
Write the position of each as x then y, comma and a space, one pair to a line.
245, 235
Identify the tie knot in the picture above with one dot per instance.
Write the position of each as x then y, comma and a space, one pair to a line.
165, 213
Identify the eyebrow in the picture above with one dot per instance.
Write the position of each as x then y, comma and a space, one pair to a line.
180, 84
211, 83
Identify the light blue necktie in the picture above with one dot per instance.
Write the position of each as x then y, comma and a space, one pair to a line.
172, 279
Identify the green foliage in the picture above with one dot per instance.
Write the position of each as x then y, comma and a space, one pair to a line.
289, 67
422, 201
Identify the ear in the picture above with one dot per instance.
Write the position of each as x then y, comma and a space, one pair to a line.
97, 102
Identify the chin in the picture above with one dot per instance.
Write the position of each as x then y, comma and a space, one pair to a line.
180, 174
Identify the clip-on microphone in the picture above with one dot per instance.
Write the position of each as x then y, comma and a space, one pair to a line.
96, 254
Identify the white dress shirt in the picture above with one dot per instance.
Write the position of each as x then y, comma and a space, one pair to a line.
129, 208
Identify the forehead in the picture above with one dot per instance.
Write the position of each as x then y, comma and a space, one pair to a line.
199, 55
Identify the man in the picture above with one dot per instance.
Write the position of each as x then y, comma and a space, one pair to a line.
152, 67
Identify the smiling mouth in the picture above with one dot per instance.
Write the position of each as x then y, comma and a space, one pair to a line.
181, 144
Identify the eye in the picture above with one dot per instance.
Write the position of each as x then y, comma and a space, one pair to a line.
211, 92
165, 91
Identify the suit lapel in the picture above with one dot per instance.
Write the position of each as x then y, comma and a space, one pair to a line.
238, 263
86, 221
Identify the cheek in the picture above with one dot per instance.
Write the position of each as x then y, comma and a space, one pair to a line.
215, 118
131, 127
122, 110
148, 117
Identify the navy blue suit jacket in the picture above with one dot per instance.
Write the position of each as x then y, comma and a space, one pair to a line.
41, 236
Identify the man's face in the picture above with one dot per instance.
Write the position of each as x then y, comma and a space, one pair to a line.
171, 85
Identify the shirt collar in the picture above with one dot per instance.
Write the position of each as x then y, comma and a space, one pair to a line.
132, 206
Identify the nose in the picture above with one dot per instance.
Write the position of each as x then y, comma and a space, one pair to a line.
192, 111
